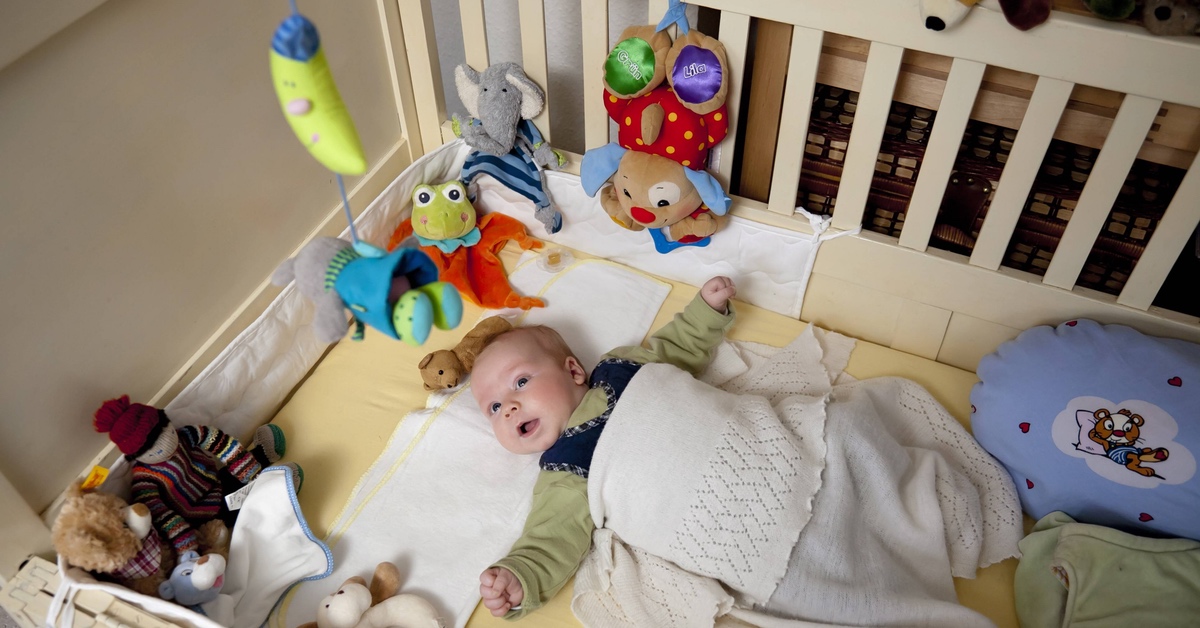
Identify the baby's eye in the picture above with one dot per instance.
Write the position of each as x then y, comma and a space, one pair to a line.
495, 407
522, 381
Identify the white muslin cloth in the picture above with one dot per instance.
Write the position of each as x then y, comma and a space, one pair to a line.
770, 265
445, 500
906, 500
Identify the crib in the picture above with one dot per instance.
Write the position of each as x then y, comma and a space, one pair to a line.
899, 291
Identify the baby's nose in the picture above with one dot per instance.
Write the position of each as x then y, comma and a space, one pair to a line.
511, 409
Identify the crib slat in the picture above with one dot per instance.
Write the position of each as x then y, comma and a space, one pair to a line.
866, 134
416, 20
1024, 160
397, 59
474, 33
793, 127
1172, 235
655, 9
735, 35
957, 101
1128, 131
533, 55
594, 14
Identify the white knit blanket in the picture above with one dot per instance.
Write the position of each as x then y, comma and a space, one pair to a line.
904, 500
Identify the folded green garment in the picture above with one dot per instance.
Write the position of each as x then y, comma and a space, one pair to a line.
1075, 574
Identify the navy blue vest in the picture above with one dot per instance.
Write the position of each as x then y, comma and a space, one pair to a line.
573, 450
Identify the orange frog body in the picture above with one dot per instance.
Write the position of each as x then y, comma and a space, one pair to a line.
476, 270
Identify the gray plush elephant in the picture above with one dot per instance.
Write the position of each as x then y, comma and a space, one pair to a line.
501, 101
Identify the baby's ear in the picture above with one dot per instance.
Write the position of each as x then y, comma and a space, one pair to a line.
578, 374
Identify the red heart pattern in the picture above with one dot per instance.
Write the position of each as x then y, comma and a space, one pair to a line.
1029, 483
1175, 381
1145, 517
1024, 427
1072, 323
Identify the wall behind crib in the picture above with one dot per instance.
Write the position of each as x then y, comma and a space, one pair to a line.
148, 187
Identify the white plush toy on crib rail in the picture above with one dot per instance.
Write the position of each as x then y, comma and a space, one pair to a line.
355, 605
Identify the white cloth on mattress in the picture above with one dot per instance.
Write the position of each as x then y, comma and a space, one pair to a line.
444, 500
270, 550
770, 265
908, 499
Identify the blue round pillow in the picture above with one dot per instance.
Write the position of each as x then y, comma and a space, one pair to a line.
1099, 421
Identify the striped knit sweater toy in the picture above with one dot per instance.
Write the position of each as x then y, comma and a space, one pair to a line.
182, 474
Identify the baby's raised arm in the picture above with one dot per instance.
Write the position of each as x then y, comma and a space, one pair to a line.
688, 340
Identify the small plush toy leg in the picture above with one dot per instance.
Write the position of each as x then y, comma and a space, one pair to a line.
550, 218
447, 304
385, 583
214, 538
269, 444
412, 316
1025, 14
526, 242
523, 303
297, 474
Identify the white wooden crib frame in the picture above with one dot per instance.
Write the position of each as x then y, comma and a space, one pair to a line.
899, 293
896, 292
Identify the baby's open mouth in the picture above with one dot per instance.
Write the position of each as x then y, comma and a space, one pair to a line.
528, 427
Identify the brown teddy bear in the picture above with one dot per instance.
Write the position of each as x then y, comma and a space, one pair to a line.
103, 534
445, 368
357, 605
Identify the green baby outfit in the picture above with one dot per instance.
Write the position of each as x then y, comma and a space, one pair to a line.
558, 530
1075, 574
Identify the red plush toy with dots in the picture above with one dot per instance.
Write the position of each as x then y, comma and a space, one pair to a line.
668, 100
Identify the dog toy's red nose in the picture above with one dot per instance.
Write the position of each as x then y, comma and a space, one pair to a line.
641, 215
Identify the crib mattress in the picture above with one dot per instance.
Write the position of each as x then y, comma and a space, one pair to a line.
339, 420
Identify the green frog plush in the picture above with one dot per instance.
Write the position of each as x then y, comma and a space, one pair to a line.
443, 217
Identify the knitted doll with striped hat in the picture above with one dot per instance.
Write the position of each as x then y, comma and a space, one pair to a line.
182, 474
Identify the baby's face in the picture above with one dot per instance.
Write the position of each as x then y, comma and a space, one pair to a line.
527, 393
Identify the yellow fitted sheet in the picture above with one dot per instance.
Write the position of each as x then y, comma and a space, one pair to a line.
340, 418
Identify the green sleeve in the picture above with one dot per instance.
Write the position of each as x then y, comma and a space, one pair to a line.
687, 341
557, 535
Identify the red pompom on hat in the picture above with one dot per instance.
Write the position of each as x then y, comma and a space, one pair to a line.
131, 426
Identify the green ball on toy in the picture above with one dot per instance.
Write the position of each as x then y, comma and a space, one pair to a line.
1111, 9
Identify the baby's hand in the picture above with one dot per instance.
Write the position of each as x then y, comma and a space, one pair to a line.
500, 590
717, 292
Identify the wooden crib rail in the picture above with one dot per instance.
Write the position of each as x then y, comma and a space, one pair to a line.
1041, 118
1067, 51
1119, 57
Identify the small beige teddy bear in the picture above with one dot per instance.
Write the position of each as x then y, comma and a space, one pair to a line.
445, 368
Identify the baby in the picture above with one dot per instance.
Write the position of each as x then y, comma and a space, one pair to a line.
540, 399
848, 504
